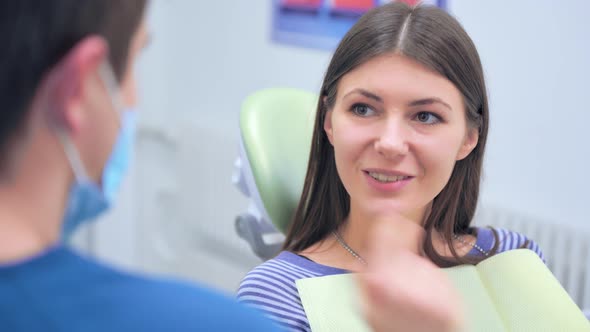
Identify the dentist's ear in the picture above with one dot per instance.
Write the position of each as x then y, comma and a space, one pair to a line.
64, 87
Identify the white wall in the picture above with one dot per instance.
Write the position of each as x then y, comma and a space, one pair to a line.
206, 57
537, 59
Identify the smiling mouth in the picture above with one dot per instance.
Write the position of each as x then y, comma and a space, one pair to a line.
383, 178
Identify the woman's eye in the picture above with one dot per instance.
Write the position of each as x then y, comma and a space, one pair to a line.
362, 110
427, 118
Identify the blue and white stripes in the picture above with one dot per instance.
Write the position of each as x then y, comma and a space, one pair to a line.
271, 288
509, 240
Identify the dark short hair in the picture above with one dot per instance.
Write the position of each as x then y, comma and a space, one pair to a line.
36, 34
435, 39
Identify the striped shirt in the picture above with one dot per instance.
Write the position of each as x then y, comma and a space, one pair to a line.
270, 287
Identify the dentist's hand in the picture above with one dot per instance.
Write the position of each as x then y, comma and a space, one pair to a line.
403, 291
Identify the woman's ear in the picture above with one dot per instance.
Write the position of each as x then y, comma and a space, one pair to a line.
328, 121
469, 143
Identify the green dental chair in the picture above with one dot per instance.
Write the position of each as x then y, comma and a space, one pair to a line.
275, 137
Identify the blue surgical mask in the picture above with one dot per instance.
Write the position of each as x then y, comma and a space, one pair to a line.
87, 199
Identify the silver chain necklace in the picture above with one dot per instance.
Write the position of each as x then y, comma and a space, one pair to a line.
364, 262
348, 248
474, 245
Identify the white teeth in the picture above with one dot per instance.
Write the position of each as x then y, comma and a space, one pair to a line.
387, 178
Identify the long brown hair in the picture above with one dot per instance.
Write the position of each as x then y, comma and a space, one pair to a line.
435, 39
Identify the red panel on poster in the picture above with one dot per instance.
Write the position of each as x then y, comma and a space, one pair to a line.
356, 5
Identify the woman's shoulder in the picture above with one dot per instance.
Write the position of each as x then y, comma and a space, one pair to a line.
286, 268
287, 264
502, 239
275, 276
270, 287
290, 266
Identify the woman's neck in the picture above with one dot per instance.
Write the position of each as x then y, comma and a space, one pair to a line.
356, 230
357, 227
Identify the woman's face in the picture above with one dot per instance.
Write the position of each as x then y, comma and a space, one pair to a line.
397, 129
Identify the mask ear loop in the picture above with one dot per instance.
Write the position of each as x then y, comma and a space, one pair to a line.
106, 73
73, 156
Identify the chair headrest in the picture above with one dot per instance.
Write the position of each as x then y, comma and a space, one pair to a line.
276, 128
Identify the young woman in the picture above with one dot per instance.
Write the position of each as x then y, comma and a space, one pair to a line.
400, 134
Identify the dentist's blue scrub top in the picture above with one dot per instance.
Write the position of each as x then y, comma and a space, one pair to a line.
61, 290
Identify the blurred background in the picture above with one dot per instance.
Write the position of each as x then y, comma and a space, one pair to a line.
177, 212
